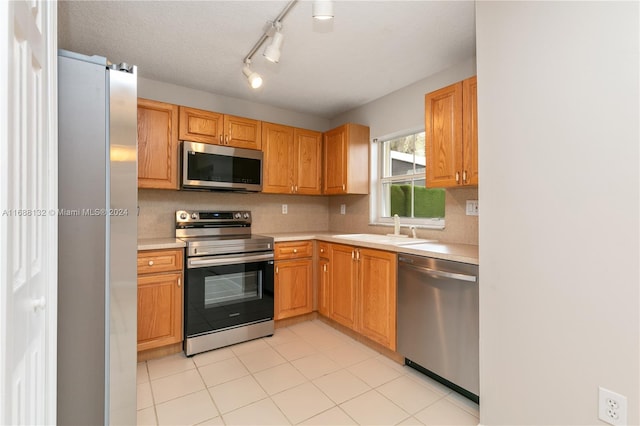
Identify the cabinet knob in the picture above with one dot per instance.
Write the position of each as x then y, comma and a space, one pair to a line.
321, 250
295, 250
151, 263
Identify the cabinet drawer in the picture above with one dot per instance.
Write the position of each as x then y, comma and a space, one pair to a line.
151, 261
323, 250
293, 250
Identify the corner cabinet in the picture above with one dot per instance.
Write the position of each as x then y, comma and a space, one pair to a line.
346, 160
293, 279
160, 298
361, 291
451, 135
198, 125
157, 145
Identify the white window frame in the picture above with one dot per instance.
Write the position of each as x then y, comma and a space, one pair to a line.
376, 187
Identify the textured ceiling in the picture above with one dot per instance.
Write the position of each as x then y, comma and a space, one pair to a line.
370, 49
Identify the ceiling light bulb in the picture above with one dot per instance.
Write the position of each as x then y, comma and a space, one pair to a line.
323, 9
253, 77
272, 51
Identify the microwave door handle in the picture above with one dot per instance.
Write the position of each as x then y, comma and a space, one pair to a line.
221, 261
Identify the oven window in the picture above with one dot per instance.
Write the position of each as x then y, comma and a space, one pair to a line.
220, 290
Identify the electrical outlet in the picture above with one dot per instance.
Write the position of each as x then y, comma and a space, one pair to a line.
343, 209
284, 209
472, 208
612, 407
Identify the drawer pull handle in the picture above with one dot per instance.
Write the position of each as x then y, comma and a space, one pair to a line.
151, 263
179, 281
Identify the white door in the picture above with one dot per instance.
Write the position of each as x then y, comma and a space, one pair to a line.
28, 202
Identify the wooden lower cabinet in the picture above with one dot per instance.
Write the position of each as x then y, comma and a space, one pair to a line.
160, 299
293, 279
377, 296
361, 291
342, 305
323, 279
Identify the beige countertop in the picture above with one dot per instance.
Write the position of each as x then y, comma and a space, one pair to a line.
160, 243
465, 253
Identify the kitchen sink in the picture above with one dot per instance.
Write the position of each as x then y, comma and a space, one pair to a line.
384, 239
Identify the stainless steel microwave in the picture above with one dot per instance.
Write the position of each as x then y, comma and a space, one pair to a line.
215, 167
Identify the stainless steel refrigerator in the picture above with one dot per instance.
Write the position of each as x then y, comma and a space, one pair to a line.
97, 241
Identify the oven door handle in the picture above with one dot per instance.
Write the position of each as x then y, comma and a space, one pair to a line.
231, 260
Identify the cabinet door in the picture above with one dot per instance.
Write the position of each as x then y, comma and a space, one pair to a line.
470, 132
198, 125
293, 288
324, 294
377, 290
335, 161
443, 136
157, 145
343, 285
277, 147
159, 310
308, 162
242, 132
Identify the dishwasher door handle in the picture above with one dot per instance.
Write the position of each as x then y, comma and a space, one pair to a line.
442, 274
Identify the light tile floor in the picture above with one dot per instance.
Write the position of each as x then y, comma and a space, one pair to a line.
308, 374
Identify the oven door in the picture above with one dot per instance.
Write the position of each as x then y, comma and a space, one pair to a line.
226, 291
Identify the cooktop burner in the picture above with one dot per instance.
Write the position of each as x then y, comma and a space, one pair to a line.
219, 232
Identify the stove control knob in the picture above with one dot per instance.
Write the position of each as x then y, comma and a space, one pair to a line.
194, 216
246, 215
238, 215
183, 216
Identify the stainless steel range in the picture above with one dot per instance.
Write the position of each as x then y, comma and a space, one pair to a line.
228, 279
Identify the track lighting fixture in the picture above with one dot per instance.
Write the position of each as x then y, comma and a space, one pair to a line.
253, 77
322, 9
272, 51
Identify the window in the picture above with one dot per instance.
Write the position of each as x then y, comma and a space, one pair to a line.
401, 184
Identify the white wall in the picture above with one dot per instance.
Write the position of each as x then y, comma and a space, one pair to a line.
558, 100
403, 109
180, 95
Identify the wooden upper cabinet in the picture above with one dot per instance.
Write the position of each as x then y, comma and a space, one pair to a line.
470, 131
242, 132
346, 160
157, 145
198, 125
292, 160
451, 135
307, 166
278, 156
220, 129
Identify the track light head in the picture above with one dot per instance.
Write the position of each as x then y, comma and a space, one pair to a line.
253, 77
272, 51
322, 9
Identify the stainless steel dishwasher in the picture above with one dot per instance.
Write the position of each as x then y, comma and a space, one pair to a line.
438, 320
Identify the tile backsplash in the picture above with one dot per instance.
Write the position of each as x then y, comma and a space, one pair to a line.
158, 207
304, 213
